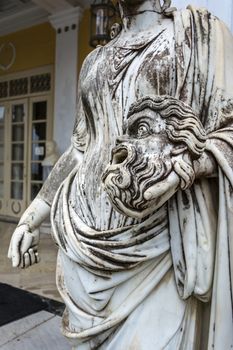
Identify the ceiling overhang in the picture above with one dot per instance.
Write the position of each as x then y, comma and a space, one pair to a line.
33, 12
22, 20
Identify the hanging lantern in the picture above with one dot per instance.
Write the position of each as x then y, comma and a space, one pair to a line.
103, 15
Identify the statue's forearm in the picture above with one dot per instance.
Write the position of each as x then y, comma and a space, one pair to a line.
39, 209
35, 214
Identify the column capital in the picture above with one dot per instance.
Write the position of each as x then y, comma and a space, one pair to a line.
67, 19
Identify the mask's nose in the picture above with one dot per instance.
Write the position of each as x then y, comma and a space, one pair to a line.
122, 139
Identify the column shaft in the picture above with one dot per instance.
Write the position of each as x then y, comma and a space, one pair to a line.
66, 25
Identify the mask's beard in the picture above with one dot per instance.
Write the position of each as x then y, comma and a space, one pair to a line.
127, 182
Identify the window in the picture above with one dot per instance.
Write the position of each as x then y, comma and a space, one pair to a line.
39, 133
25, 126
2, 154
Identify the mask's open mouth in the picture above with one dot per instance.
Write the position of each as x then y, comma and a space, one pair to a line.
119, 155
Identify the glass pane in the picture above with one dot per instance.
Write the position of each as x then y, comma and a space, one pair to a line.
36, 171
17, 190
2, 113
18, 113
39, 131
39, 110
1, 190
38, 151
1, 133
17, 172
18, 133
1, 153
35, 188
101, 22
18, 152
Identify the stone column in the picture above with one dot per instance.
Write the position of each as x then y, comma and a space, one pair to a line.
66, 24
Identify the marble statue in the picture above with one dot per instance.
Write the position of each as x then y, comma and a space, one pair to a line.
141, 202
50, 159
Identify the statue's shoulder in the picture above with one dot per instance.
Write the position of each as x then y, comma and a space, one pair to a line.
200, 17
89, 60
199, 12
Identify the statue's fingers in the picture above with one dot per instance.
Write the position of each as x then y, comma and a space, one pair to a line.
32, 256
26, 261
37, 257
35, 247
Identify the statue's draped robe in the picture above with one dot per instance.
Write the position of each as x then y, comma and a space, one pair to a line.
142, 284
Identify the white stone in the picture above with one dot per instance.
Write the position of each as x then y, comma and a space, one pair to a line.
38, 331
13, 330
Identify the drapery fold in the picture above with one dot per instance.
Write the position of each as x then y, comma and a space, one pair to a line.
201, 219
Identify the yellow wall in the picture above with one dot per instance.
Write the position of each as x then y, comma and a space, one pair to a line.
35, 47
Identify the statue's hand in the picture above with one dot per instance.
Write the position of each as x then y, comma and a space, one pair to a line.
23, 247
205, 166
183, 167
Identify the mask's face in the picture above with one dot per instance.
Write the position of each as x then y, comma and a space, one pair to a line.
141, 169
155, 156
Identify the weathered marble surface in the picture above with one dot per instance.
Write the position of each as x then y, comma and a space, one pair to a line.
141, 203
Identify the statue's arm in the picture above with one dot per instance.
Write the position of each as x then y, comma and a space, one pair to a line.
24, 241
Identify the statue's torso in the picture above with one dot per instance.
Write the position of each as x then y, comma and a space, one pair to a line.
116, 78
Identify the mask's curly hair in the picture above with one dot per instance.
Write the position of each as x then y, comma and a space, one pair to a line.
182, 124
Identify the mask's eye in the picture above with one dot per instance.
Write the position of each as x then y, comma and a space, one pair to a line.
143, 130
